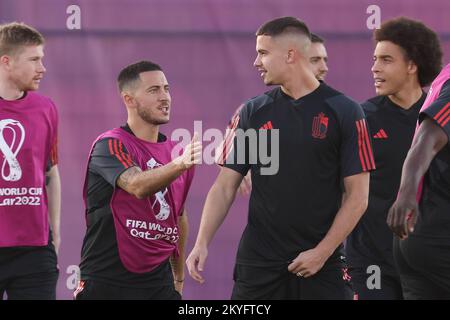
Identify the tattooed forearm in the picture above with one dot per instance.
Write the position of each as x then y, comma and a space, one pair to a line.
144, 183
125, 178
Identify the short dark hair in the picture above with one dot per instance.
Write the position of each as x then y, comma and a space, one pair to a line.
420, 44
283, 25
131, 72
15, 35
316, 38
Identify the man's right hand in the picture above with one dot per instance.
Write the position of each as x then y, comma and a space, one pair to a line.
196, 261
402, 216
192, 154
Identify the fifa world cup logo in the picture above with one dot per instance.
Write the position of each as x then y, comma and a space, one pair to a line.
10, 151
164, 208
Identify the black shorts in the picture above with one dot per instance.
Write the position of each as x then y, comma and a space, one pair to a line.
277, 283
424, 267
389, 285
97, 290
28, 273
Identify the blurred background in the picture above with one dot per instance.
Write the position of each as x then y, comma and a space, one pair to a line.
206, 48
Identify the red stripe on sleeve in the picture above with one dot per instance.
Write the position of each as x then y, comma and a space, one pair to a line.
54, 152
129, 159
110, 146
445, 122
370, 159
116, 153
442, 111
444, 117
227, 144
360, 140
125, 156
363, 145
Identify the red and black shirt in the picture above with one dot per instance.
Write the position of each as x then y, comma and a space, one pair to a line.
100, 259
434, 206
323, 138
392, 130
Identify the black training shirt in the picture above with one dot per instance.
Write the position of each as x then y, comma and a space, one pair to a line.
392, 130
323, 138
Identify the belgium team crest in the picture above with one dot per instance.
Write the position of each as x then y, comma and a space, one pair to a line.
320, 126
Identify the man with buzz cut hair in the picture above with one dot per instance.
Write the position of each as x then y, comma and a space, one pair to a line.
318, 59
291, 246
134, 194
407, 57
29, 207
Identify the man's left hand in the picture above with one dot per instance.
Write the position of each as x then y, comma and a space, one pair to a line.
179, 286
308, 263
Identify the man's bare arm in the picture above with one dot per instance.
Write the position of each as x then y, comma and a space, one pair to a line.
354, 204
54, 204
177, 263
142, 184
218, 202
430, 139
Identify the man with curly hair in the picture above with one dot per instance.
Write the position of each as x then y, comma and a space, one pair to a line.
407, 58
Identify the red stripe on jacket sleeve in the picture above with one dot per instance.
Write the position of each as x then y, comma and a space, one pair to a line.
227, 144
54, 152
360, 147
439, 116
370, 159
117, 154
124, 155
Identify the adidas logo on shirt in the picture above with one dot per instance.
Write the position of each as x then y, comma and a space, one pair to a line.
267, 126
381, 134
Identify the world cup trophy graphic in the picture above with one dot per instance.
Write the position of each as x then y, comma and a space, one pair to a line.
11, 170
